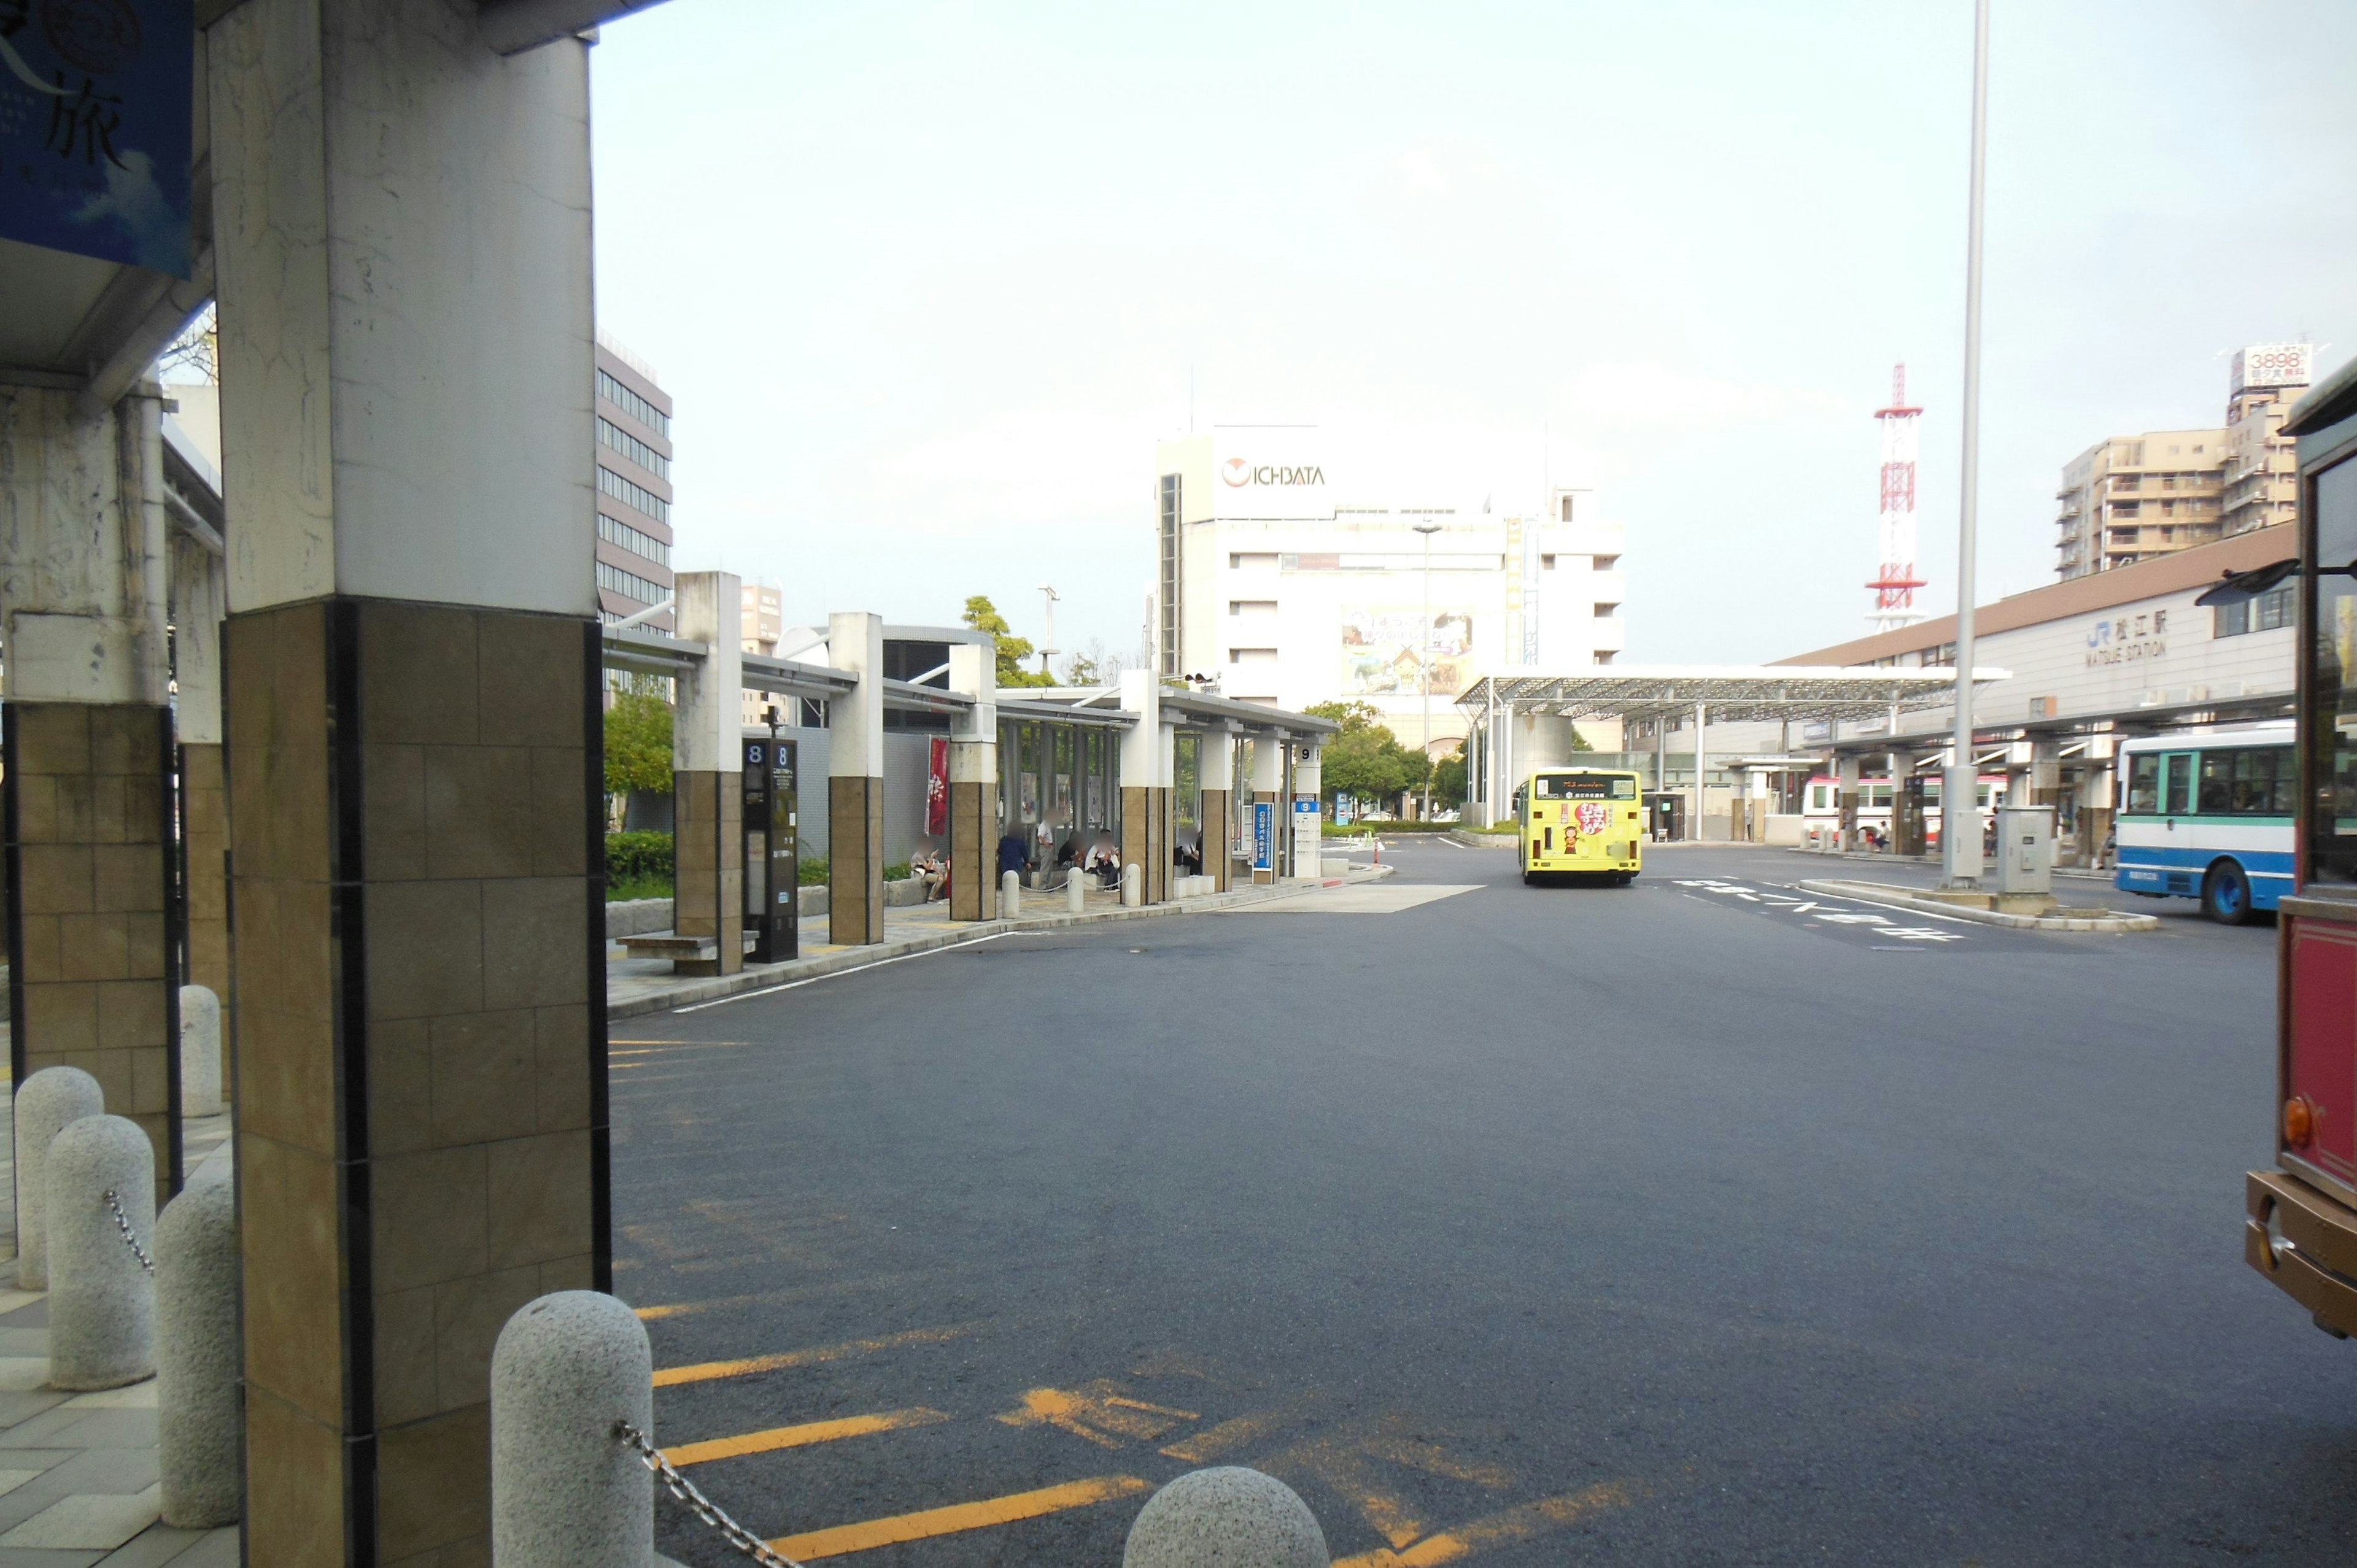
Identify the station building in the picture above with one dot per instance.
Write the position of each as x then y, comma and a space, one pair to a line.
1288, 577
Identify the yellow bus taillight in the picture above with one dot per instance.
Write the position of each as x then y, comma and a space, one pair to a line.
2299, 1121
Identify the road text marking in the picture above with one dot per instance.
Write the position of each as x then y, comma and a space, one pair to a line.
1525, 1523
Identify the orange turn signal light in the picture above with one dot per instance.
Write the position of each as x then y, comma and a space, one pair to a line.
2299, 1121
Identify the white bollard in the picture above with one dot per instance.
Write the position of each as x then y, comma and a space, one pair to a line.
45, 1102
566, 1490
1132, 885
101, 1297
1229, 1517
199, 1417
1076, 892
1011, 894
201, 1052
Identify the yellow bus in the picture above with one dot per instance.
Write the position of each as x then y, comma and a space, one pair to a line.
1580, 821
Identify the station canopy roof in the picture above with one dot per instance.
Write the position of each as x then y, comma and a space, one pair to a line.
1733, 693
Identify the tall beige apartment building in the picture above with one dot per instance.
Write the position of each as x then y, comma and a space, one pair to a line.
761, 624
2131, 498
634, 537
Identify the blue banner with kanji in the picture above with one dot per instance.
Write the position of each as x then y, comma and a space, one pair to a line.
95, 127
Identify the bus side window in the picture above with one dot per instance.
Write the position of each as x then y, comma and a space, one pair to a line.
2179, 789
2144, 784
2218, 794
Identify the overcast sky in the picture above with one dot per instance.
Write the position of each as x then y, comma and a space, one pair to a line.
927, 282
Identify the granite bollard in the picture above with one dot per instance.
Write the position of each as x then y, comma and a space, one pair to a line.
101, 1297
201, 1052
567, 1491
1076, 892
1132, 885
199, 1415
1010, 894
1228, 1517
45, 1102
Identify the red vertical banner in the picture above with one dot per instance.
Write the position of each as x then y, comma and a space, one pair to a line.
937, 787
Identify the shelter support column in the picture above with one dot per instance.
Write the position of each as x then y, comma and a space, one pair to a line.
1147, 770
1308, 841
199, 583
1846, 768
1218, 808
707, 769
855, 785
974, 785
1267, 787
88, 746
1701, 720
401, 226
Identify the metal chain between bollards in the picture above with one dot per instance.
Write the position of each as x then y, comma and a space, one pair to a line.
122, 1223
704, 1508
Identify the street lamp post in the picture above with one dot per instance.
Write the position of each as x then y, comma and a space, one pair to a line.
1960, 835
1048, 643
1423, 660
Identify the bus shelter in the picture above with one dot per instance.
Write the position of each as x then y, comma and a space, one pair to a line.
1520, 720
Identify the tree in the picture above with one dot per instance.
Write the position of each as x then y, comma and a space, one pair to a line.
1093, 666
983, 615
638, 738
1364, 758
1448, 780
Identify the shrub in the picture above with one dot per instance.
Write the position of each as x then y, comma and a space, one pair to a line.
811, 873
639, 865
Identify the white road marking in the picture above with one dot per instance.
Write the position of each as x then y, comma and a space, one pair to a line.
1375, 898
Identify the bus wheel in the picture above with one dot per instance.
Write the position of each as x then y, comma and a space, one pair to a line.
2227, 894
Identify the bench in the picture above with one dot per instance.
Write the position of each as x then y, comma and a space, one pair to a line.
688, 955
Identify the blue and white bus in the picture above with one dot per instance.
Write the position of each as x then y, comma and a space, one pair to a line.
2209, 817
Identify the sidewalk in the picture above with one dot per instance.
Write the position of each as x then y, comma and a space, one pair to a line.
640, 985
78, 1471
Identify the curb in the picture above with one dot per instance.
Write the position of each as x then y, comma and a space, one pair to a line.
717, 987
2076, 873
1886, 894
1480, 841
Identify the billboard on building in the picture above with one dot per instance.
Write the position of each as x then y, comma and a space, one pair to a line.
1269, 471
1383, 652
2273, 365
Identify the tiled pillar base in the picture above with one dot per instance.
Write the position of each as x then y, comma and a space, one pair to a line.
1218, 833
205, 827
91, 949
1146, 825
973, 845
708, 862
855, 826
418, 971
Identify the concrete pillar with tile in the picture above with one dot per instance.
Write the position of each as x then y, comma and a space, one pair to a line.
401, 228
855, 785
707, 769
1847, 784
1146, 768
1219, 804
973, 785
88, 743
199, 587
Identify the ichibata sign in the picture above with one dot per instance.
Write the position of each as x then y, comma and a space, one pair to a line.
94, 108
1270, 475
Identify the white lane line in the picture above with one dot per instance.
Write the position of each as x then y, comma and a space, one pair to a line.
856, 969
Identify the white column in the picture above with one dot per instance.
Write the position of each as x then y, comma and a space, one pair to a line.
855, 766
975, 825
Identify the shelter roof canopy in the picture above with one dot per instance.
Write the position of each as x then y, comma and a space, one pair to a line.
1732, 693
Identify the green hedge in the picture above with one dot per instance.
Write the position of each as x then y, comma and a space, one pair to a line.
639, 865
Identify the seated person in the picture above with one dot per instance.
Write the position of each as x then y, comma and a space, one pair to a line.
1069, 853
1188, 858
932, 871
1104, 863
1012, 855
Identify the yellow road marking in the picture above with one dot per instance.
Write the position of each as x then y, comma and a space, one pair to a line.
1229, 1435
1526, 1522
802, 1437
705, 1372
875, 1532
770, 1297
1434, 1460
1099, 1412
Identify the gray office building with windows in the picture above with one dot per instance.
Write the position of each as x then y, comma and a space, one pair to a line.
634, 537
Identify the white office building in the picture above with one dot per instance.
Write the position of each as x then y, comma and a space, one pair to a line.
1291, 574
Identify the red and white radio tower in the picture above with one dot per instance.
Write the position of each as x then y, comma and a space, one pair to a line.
1895, 584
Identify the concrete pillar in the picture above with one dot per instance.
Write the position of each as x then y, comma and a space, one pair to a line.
1267, 784
199, 580
707, 769
973, 785
101, 1297
1309, 844
201, 1052
1225, 1515
1146, 784
1076, 891
199, 1422
88, 749
566, 1491
1846, 785
45, 1104
401, 232
855, 785
1218, 808
1011, 894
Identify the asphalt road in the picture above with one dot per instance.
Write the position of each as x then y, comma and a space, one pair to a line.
1671, 1224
